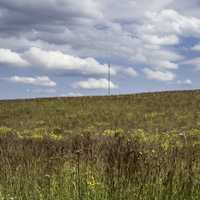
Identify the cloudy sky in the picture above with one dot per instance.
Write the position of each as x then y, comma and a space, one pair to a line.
62, 47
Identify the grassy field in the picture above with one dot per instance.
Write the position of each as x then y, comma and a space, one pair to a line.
132, 147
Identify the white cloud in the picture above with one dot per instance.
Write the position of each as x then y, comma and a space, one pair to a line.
123, 9
11, 58
193, 62
159, 75
158, 58
140, 38
196, 47
78, 36
92, 83
161, 40
161, 28
129, 71
56, 60
163, 64
185, 82
169, 21
74, 94
38, 80
189, 8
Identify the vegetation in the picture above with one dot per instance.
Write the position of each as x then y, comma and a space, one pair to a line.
144, 146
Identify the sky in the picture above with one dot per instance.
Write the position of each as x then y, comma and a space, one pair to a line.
63, 47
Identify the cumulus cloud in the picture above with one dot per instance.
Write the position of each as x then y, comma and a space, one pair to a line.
122, 9
37, 81
91, 30
74, 94
196, 47
11, 58
158, 58
163, 64
184, 82
161, 40
92, 83
129, 71
188, 8
195, 62
169, 21
165, 28
81, 36
56, 60
159, 75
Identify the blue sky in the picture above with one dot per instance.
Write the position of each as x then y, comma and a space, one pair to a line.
62, 47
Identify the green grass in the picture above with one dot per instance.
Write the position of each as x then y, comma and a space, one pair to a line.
133, 147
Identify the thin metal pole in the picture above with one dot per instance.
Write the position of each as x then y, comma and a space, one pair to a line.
109, 80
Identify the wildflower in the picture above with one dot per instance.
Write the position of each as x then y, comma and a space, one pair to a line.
47, 176
91, 182
140, 153
5, 130
153, 151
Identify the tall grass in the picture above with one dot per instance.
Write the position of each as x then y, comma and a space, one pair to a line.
137, 147
116, 166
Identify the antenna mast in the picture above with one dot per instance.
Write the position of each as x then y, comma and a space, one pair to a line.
109, 80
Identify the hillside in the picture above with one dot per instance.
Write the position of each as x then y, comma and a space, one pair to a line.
131, 147
162, 111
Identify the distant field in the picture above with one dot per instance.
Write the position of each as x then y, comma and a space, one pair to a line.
163, 111
130, 147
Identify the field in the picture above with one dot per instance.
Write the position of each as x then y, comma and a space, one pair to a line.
131, 147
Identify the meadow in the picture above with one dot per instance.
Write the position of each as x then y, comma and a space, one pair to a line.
129, 147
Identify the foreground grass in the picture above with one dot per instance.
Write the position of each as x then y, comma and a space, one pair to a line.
137, 147
113, 165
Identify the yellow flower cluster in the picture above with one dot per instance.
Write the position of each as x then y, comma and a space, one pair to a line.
91, 182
